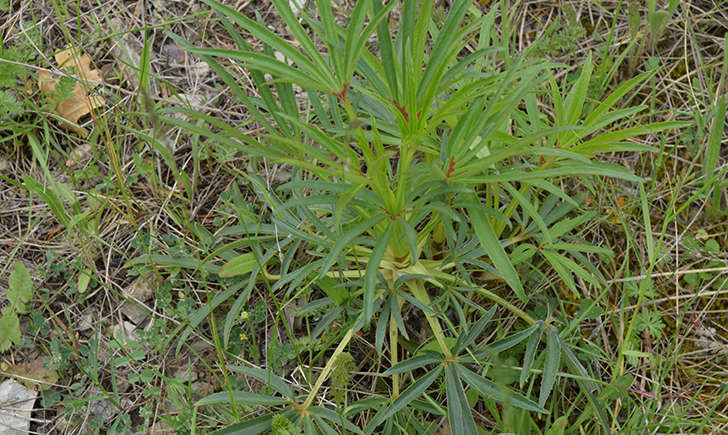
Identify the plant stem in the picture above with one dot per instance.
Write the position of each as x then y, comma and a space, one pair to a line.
417, 288
393, 337
507, 305
329, 367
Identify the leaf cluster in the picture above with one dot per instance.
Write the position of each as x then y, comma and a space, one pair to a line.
19, 294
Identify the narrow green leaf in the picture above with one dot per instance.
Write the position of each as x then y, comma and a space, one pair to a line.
322, 67
530, 353
253, 426
324, 428
553, 359
601, 142
338, 293
712, 149
411, 393
414, 363
458, 409
242, 397
530, 209
382, 323
266, 377
587, 387
580, 247
597, 114
172, 261
240, 265
559, 425
444, 43
344, 199
577, 96
555, 260
411, 236
345, 239
493, 391
318, 71
372, 271
495, 251
474, 332
397, 315
356, 22
513, 339
386, 48
332, 416
308, 426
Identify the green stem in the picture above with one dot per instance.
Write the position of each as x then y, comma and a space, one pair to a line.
417, 288
329, 367
507, 305
393, 337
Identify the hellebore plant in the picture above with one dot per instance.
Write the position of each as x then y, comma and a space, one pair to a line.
425, 173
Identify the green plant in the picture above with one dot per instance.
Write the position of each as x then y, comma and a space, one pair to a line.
561, 37
646, 37
19, 293
424, 176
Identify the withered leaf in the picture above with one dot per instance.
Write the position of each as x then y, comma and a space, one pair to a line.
79, 103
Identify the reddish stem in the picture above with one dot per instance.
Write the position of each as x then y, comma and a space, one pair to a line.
342, 95
451, 168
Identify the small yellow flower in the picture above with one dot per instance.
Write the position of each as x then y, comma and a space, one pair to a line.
243, 337
244, 315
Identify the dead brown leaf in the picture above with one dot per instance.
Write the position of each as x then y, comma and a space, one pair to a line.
34, 369
79, 103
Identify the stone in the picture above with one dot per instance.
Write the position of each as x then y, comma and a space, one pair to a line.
16, 403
